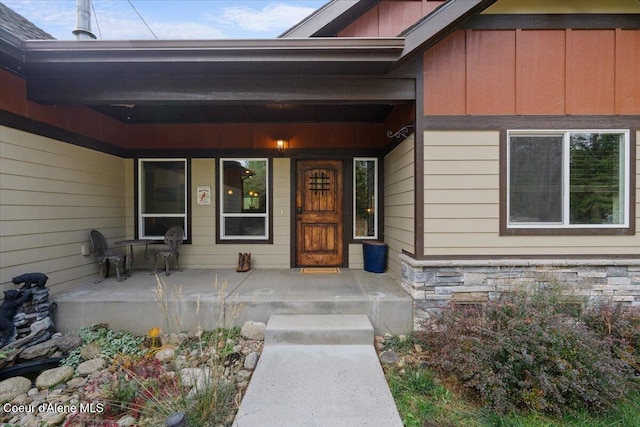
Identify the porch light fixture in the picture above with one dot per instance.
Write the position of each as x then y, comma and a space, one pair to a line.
281, 145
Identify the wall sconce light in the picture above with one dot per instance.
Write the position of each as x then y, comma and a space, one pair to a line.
281, 145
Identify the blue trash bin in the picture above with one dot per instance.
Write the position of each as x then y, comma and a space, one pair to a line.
375, 256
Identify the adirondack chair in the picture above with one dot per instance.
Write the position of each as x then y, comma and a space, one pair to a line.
172, 242
106, 257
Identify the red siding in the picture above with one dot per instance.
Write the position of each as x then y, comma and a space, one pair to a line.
627, 72
590, 71
540, 67
365, 26
389, 18
396, 16
491, 76
534, 72
445, 75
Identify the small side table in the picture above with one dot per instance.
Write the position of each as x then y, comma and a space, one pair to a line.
135, 242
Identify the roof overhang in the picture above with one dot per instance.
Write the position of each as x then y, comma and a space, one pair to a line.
209, 80
317, 55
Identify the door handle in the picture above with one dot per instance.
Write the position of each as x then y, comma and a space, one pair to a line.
298, 211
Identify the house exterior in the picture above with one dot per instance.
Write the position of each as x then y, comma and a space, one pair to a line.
488, 143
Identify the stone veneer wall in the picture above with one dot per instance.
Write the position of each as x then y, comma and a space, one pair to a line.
435, 284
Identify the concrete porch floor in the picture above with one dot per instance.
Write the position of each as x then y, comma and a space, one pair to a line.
213, 298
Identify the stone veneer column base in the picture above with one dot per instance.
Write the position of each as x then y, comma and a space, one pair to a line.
434, 284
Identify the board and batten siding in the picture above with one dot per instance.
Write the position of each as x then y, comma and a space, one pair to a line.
399, 203
533, 72
461, 193
52, 194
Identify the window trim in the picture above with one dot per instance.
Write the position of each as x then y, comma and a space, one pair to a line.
376, 215
220, 237
187, 199
628, 228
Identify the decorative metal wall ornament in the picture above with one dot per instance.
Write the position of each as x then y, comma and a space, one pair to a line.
319, 182
402, 133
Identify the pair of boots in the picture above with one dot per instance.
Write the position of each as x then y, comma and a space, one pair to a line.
244, 262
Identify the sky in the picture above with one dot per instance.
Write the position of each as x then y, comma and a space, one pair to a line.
169, 19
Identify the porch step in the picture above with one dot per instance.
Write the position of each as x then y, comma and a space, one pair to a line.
312, 329
298, 382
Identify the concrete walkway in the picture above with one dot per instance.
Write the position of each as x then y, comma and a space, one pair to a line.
318, 370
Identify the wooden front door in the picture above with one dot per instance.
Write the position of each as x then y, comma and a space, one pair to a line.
318, 213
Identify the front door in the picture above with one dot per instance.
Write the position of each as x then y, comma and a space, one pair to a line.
318, 213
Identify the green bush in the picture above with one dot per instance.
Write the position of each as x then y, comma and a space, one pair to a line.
529, 352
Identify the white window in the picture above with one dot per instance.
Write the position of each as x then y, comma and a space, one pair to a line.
244, 199
562, 179
365, 198
162, 201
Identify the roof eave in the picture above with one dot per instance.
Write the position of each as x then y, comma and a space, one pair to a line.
11, 51
172, 51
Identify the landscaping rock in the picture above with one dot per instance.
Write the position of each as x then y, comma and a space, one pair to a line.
126, 421
90, 366
12, 387
253, 330
165, 355
54, 376
198, 377
251, 361
68, 342
39, 350
389, 357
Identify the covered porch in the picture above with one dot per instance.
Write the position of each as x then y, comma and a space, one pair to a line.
211, 298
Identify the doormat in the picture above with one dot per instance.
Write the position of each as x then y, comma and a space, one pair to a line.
320, 270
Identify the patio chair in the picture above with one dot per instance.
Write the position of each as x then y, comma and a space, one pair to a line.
172, 241
106, 257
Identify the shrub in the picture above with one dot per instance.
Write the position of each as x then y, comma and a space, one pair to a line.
622, 325
525, 352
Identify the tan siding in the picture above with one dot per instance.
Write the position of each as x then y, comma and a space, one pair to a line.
399, 203
462, 209
52, 194
205, 253
356, 259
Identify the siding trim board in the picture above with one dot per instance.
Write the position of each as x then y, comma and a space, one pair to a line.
493, 122
43, 129
552, 22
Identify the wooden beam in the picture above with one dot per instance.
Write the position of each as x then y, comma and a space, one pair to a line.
155, 89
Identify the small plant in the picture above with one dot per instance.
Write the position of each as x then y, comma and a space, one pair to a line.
417, 395
401, 343
108, 344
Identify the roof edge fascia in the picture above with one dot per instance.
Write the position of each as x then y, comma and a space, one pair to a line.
323, 18
440, 23
379, 49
